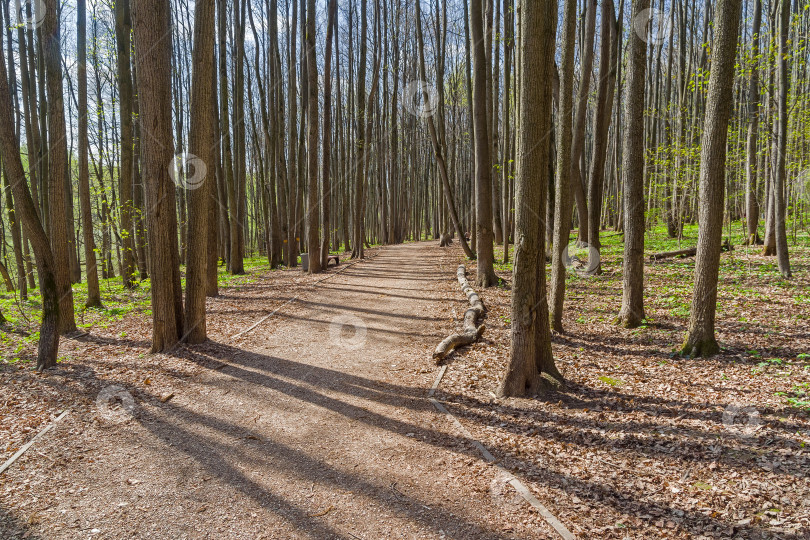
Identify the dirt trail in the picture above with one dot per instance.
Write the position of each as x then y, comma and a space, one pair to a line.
312, 425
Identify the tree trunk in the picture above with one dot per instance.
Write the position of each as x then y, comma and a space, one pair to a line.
700, 340
580, 119
326, 180
93, 292
202, 142
437, 147
27, 212
780, 178
123, 30
601, 124
751, 189
58, 166
151, 25
531, 361
562, 191
632, 312
313, 213
483, 162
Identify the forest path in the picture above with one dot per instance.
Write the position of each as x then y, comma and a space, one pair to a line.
315, 424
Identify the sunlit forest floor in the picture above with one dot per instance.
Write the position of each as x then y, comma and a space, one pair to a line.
643, 443
646, 443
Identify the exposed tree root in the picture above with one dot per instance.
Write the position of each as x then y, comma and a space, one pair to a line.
472, 332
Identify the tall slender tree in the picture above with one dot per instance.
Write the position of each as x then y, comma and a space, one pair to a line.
483, 160
531, 359
752, 209
313, 209
632, 312
57, 164
93, 292
202, 145
123, 31
562, 191
26, 210
780, 178
151, 26
700, 341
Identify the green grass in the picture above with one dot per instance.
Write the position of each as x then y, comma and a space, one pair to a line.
20, 332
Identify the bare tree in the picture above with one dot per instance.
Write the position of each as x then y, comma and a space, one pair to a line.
751, 191
531, 358
483, 161
780, 178
562, 191
27, 211
58, 165
93, 292
632, 312
313, 216
123, 30
202, 144
700, 340
151, 24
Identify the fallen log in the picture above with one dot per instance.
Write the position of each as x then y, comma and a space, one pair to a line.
471, 331
691, 252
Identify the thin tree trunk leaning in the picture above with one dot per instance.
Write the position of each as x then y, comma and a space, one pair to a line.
58, 166
562, 191
531, 363
202, 145
472, 331
26, 210
700, 340
151, 24
437, 149
632, 311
